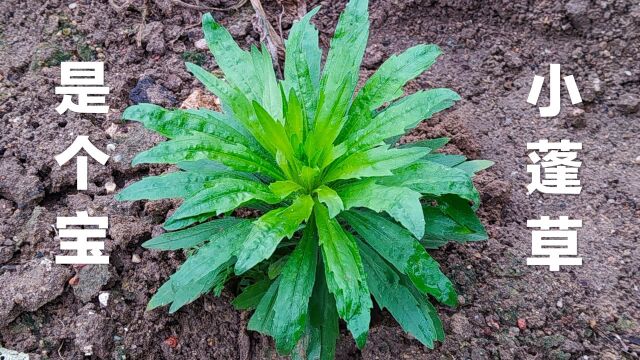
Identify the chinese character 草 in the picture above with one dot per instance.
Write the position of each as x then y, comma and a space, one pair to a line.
554, 248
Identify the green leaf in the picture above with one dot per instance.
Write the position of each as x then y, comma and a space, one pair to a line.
271, 97
262, 318
387, 83
188, 238
446, 159
411, 310
179, 184
235, 101
473, 166
434, 179
330, 198
174, 123
220, 196
251, 296
284, 188
346, 279
378, 161
402, 203
237, 64
202, 270
452, 219
433, 144
277, 135
202, 146
339, 77
400, 116
269, 229
296, 285
322, 331
402, 250
302, 63
296, 123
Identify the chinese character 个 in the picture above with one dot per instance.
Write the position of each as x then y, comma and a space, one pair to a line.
81, 142
88, 252
554, 91
554, 248
86, 80
559, 166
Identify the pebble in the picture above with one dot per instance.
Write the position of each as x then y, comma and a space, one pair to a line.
201, 44
73, 6
111, 147
522, 324
103, 298
637, 159
110, 186
559, 303
136, 259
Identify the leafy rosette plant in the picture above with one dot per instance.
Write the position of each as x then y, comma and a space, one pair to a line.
344, 212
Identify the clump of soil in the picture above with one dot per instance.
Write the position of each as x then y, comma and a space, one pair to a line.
492, 49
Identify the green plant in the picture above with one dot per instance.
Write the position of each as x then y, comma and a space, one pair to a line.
346, 212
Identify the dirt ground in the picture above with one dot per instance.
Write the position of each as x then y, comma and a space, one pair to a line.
492, 49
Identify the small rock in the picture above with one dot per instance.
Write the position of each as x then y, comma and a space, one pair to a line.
147, 91
201, 44
33, 285
111, 147
637, 159
103, 298
577, 112
110, 187
577, 11
74, 280
628, 103
559, 304
93, 332
460, 325
17, 185
197, 99
577, 119
91, 279
136, 259
171, 341
73, 6
522, 324
154, 38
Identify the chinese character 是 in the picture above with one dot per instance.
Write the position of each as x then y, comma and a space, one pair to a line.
88, 252
81, 142
86, 80
554, 248
554, 91
559, 166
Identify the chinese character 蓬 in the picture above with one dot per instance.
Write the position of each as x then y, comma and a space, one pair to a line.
554, 248
88, 252
554, 91
81, 142
86, 80
559, 166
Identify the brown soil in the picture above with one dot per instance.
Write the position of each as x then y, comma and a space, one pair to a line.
492, 50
